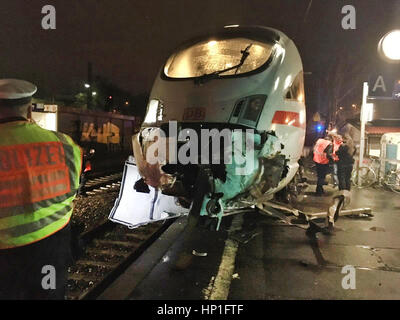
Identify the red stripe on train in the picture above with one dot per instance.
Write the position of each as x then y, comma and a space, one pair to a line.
288, 118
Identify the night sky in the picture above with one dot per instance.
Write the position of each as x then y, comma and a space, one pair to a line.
128, 40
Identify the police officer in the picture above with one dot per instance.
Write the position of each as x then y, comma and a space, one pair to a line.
322, 156
39, 177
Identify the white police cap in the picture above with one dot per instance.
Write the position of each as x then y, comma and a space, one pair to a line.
12, 89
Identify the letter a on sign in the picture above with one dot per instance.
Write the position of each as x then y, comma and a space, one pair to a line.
380, 83
349, 20
49, 20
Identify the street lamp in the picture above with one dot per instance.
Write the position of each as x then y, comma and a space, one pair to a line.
336, 113
87, 86
389, 46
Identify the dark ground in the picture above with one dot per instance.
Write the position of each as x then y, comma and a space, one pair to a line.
279, 261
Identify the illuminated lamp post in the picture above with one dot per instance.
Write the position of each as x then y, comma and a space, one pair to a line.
389, 46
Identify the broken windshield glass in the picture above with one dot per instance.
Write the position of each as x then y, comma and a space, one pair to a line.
245, 54
218, 58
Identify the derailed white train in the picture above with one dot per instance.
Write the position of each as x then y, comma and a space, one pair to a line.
244, 82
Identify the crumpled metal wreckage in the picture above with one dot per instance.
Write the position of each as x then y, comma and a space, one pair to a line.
158, 195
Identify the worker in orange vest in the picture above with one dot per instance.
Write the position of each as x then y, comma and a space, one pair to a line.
322, 157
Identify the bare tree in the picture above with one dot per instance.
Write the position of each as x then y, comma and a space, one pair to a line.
342, 81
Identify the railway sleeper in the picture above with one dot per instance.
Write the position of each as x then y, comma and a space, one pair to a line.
107, 253
101, 264
83, 277
114, 243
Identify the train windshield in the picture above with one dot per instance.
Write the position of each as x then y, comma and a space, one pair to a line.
225, 57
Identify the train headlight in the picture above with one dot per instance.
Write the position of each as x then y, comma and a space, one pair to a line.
256, 104
154, 112
247, 111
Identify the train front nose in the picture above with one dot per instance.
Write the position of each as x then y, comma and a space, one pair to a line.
235, 161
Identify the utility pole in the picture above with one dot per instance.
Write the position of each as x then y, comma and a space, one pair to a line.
362, 121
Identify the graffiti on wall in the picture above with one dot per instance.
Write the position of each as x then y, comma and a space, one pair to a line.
108, 134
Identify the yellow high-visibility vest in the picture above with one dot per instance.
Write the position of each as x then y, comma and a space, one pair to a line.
39, 177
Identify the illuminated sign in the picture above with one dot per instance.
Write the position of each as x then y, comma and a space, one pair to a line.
384, 85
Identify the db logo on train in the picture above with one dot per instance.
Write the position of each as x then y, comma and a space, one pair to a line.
194, 114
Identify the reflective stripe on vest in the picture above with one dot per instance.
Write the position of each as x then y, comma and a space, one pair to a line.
39, 176
319, 154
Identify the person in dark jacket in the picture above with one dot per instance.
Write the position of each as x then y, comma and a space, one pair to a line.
345, 164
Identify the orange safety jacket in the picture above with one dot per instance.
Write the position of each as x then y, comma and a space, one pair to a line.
319, 154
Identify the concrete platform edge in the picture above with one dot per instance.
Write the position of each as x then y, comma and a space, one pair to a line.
124, 285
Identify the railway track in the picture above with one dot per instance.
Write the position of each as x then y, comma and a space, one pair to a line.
109, 182
108, 250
